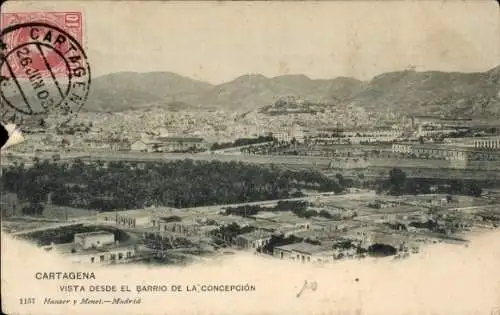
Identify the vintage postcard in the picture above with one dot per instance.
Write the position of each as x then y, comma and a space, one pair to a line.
296, 157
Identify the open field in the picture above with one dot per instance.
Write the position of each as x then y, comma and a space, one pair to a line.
378, 172
63, 213
317, 161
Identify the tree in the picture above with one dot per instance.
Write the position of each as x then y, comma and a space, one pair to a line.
340, 179
183, 183
411, 187
33, 209
397, 179
379, 188
475, 190
456, 186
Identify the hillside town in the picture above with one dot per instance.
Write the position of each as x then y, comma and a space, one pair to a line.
310, 133
372, 184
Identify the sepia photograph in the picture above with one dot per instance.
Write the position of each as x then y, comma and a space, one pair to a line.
267, 157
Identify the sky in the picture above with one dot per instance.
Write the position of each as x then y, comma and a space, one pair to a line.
219, 41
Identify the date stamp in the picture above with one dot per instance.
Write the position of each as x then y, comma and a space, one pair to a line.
70, 22
43, 68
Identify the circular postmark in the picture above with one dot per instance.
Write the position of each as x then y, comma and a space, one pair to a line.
44, 70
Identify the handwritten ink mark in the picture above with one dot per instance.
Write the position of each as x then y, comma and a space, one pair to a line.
313, 286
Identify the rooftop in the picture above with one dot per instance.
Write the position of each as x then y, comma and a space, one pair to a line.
287, 217
180, 139
352, 146
302, 247
144, 212
60, 248
102, 250
255, 235
268, 215
223, 219
442, 146
399, 209
261, 224
383, 237
149, 141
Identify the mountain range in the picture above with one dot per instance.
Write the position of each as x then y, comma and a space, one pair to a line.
407, 92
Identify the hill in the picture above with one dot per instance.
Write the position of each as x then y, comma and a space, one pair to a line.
432, 92
250, 92
130, 90
408, 92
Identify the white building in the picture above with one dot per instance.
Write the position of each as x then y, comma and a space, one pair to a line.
304, 252
94, 239
128, 218
491, 143
104, 256
361, 136
297, 133
402, 148
285, 134
139, 146
433, 132
94, 248
281, 136
448, 151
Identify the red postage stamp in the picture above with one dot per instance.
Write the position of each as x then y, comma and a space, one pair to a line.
69, 22
43, 65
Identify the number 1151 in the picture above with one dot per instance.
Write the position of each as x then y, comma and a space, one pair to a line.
27, 301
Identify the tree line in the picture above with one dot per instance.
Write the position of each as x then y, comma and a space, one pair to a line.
398, 183
182, 183
299, 208
241, 142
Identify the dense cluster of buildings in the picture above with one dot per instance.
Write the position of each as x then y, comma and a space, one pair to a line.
155, 144
356, 136
348, 227
401, 223
422, 138
336, 227
410, 137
